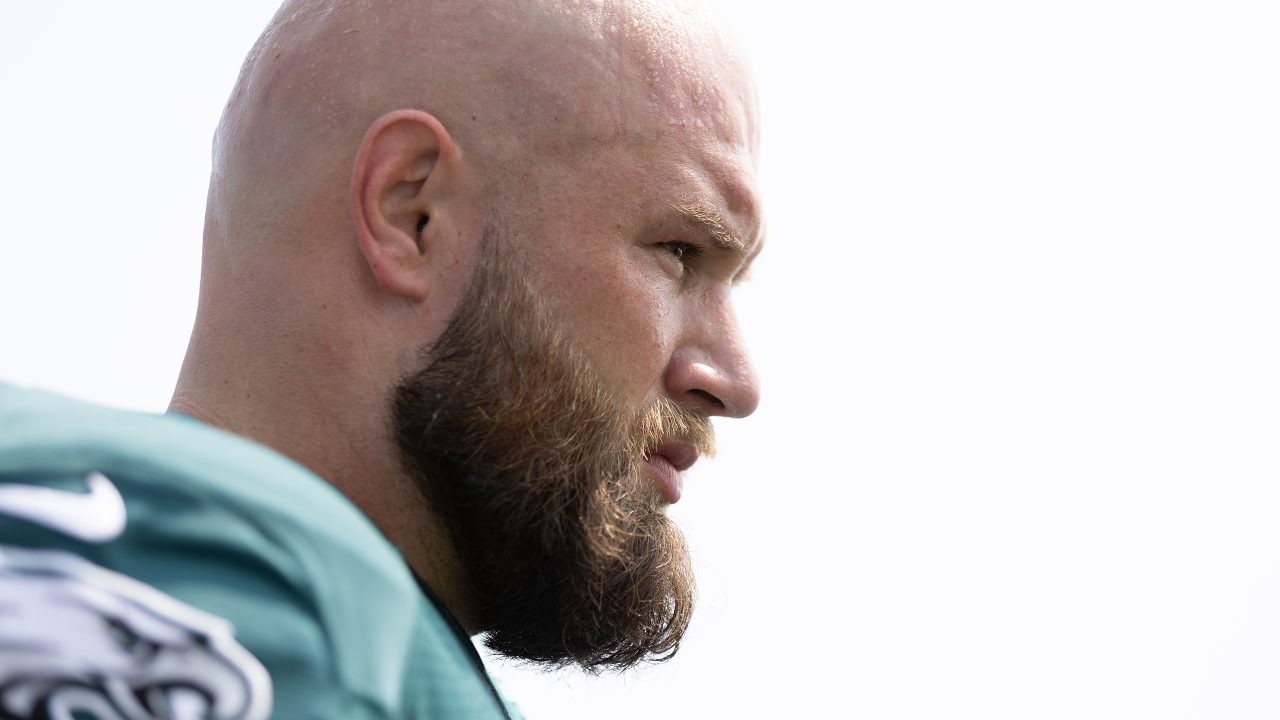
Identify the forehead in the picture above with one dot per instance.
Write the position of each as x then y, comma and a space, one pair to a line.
686, 67
610, 72
650, 96
680, 183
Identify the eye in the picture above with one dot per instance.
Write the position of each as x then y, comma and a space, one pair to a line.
683, 251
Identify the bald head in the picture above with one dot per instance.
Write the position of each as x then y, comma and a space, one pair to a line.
515, 84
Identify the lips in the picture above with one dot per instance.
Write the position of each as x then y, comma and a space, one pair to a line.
666, 461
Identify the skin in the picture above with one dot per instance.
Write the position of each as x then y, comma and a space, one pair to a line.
608, 139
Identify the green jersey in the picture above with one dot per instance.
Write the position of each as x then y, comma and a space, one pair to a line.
154, 567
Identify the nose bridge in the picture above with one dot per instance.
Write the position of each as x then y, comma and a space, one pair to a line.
712, 363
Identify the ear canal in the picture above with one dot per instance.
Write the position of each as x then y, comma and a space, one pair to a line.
422, 246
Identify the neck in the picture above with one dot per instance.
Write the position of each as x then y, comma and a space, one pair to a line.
278, 403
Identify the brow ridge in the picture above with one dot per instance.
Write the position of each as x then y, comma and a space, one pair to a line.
712, 224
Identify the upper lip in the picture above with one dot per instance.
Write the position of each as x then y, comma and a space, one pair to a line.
677, 452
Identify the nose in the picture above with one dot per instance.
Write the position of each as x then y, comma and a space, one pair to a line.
711, 370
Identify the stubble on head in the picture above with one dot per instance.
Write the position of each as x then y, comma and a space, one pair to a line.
538, 472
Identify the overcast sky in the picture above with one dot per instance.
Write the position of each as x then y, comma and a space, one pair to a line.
1017, 455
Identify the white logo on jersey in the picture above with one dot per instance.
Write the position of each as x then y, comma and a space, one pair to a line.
94, 517
79, 640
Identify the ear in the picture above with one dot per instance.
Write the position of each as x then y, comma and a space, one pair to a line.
406, 167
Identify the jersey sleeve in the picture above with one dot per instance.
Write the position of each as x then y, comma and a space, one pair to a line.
189, 610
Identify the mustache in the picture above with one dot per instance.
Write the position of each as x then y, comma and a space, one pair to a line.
666, 420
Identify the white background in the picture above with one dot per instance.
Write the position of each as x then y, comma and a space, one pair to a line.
1017, 319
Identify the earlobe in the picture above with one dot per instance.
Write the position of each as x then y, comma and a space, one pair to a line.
403, 171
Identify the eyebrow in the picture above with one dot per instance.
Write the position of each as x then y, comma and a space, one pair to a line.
710, 223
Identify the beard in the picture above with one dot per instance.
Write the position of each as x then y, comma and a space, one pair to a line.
539, 475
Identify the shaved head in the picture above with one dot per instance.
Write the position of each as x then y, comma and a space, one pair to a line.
516, 84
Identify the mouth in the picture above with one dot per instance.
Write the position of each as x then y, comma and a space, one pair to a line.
666, 461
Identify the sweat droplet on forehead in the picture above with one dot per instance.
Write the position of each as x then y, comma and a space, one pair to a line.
682, 58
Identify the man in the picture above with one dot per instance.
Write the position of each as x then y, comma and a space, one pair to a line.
467, 263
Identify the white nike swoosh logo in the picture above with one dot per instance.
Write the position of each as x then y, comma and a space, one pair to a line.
94, 517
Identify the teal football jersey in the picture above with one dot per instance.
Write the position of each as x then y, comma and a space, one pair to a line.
154, 567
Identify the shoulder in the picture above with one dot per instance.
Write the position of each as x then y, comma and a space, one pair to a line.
42, 433
217, 524
236, 545
173, 471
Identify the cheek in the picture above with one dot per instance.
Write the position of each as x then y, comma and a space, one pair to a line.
622, 318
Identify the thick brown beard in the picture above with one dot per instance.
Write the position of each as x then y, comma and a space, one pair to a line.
539, 475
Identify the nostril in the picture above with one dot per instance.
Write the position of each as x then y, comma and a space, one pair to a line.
715, 401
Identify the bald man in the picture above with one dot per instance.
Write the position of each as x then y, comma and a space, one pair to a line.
464, 316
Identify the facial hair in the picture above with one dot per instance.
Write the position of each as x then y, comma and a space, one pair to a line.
538, 473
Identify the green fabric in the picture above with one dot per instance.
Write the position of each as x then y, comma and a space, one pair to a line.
314, 591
